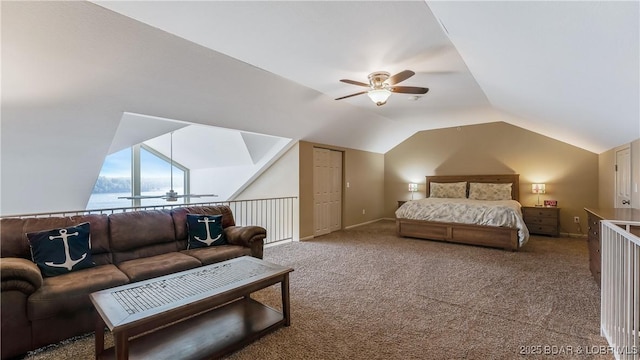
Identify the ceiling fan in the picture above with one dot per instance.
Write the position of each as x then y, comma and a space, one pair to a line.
382, 84
170, 195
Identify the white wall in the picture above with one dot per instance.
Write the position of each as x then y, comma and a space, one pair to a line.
635, 174
71, 68
281, 179
227, 181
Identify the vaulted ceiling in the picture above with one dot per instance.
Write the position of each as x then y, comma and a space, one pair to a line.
71, 71
568, 70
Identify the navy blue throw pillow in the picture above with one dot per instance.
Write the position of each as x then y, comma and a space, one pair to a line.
205, 230
60, 251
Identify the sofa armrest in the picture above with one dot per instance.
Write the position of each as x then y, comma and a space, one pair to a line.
248, 236
20, 274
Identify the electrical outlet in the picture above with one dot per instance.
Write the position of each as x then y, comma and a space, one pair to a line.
576, 219
363, 212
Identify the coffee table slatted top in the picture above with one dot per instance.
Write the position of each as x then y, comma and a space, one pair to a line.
132, 302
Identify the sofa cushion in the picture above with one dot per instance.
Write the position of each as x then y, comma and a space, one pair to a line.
14, 242
139, 234
100, 249
14, 234
214, 254
154, 266
205, 230
60, 251
66, 294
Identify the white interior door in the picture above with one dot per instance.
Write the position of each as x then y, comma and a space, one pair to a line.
335, 191
321, 161
623, 178
327, 191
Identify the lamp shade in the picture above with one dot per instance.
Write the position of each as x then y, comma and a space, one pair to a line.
538, 188
413, 187
379, 96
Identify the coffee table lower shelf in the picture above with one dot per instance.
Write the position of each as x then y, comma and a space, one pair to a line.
209, 335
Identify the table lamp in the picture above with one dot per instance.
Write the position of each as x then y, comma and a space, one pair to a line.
413, 188
538, 189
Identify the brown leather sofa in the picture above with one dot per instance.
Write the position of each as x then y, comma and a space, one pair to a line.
126, 247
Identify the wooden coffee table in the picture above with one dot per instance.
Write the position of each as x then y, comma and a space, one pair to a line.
200, 313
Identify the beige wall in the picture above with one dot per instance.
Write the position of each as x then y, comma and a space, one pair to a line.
365, 173
570, 173
606, 163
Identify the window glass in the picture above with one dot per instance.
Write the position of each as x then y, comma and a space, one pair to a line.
114, 181
155, 179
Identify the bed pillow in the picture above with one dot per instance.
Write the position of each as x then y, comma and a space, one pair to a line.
60, 251
489, 191
205, 230
448, 190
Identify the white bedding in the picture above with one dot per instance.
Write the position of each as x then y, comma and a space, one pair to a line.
506, 213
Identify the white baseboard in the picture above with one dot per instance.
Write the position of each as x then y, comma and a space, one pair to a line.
311, 237
364, 223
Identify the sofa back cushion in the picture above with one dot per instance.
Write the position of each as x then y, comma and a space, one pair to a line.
99, 236
140, 234
179, 216
14, 242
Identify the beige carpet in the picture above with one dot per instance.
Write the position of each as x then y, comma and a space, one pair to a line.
366, 294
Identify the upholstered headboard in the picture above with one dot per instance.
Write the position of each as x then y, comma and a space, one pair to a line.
506, 178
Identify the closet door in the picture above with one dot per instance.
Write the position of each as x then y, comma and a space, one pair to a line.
327, 191
335, 192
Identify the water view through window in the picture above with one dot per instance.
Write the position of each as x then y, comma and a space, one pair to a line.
115, 180
155, 179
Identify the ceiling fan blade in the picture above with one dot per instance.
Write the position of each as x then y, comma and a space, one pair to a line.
401, 76
197, 195
348, 96
136, 197
353, 82
409, 90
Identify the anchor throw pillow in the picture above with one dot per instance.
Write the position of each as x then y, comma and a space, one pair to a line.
60, 251
205, 230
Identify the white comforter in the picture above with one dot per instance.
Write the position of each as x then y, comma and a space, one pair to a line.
506, 213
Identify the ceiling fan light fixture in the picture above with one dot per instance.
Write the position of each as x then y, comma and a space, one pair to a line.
381, 85
379, 96
171, 195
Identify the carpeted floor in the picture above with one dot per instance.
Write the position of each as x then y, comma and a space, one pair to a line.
366, 294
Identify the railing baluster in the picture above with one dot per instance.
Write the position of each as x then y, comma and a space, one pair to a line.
620, 289
274, 214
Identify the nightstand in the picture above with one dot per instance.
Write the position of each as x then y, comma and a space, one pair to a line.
401, 202
542, 220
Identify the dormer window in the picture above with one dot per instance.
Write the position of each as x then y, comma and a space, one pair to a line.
138, 170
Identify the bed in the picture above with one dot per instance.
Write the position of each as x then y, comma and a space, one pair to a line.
508, 237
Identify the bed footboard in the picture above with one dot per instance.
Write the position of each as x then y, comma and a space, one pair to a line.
499, 237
